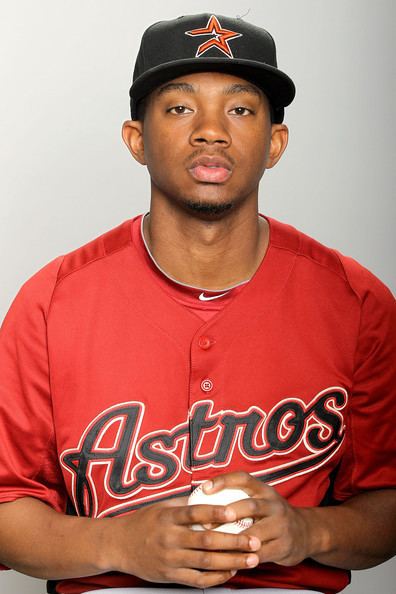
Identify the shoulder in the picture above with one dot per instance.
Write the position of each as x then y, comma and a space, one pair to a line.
37, 292
101, 247
319, 260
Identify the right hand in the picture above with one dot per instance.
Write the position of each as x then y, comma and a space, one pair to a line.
157, 544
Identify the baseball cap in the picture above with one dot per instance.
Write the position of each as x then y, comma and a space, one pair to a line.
208, 42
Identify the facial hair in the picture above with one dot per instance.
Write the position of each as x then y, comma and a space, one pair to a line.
208, 208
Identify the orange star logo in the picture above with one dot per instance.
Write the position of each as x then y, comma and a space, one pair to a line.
219, 37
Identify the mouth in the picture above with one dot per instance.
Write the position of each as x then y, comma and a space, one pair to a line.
210, 169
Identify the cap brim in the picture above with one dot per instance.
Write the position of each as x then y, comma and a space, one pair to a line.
277, 86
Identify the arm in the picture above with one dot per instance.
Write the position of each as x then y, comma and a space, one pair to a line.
38, 541
155, 543
357, 534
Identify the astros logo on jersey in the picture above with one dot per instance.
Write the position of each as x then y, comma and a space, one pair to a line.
219, 37
116, 467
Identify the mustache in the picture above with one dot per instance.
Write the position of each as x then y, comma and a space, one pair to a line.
204, 152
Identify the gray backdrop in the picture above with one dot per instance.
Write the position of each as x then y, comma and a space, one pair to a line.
65, 70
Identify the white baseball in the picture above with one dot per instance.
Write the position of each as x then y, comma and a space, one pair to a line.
198, 496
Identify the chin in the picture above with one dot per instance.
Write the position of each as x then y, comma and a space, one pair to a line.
208, 209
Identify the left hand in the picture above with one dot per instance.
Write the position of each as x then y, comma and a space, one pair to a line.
282, 530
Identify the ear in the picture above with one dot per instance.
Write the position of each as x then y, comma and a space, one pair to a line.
278, 144
132, 135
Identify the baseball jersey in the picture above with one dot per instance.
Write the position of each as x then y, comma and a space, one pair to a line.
114, 395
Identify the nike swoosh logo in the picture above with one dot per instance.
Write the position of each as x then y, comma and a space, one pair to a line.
203, 298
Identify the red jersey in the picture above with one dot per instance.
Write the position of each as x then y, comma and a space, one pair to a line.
113, 394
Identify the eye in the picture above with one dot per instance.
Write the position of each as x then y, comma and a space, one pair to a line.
179, 110
241, 111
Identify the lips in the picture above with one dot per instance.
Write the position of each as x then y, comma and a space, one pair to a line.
211, 169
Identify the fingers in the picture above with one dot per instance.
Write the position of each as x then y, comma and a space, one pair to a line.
200, 579
217, 560
264, 500
209, 559
256, 508
158, 545
199, 514
276, 551
208, 540
239, 480
204, 559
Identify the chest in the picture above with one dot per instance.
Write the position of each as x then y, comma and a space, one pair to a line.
145, 406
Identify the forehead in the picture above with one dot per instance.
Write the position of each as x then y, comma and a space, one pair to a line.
204, 82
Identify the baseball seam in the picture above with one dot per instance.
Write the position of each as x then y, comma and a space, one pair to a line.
243, 523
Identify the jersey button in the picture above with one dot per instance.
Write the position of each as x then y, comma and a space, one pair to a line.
205, 342
206, 385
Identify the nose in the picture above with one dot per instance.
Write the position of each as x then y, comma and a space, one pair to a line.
210, 129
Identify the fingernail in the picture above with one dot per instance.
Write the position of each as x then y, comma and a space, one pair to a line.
207, 486
230, 515
233, 573
254, 543
251, 560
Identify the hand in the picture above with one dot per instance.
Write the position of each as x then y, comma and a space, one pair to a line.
156, 543
283, 530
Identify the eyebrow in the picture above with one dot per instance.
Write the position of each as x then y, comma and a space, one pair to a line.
186, 87
242, 88
231, 90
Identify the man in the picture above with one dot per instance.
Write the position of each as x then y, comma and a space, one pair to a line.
202, 342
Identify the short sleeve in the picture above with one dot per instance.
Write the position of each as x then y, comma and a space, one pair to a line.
28, 460
370, 459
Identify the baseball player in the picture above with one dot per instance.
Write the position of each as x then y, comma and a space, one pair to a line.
202, 342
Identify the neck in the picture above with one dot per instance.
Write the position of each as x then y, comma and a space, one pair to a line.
214, 254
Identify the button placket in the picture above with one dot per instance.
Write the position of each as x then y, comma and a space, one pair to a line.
205, 342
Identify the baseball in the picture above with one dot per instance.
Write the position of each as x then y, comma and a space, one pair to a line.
198, 496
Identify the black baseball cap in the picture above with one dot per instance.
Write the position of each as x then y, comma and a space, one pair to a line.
209, 42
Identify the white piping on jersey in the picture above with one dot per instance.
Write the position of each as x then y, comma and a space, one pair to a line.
185, 284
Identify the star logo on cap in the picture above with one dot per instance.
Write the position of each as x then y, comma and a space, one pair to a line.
219, 37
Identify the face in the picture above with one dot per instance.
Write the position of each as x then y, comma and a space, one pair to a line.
206, 139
